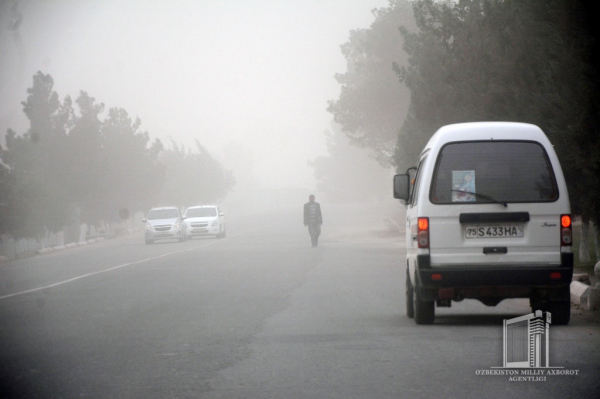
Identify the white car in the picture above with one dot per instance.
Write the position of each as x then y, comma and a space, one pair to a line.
204, 220
164, 223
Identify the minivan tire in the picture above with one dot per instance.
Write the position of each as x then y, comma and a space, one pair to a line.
560, 312
424, 310
559, 306
410, 307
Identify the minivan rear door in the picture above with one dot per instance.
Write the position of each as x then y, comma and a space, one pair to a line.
494, 203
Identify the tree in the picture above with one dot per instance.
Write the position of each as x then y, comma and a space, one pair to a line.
6, 185
533, 61
84, 166
507, 60
22, 189
130, 170
33, 164
193, 178
348, 174
372, 104
15, 201
110, 167
71, 168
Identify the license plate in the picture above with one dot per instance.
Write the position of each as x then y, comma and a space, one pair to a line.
199, 230
512, 231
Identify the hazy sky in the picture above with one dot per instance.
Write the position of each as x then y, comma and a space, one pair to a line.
255, 74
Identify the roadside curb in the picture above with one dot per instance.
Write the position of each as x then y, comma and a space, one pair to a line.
70, 245
47, 250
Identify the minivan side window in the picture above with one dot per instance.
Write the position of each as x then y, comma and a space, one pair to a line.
415, 188
488, 171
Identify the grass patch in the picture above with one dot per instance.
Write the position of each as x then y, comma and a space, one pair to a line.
583, 266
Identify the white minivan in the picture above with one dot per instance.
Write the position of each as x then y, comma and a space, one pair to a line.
487, 218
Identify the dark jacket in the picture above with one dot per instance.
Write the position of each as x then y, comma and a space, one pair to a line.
319, 217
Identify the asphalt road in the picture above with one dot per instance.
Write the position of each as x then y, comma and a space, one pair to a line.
260, 314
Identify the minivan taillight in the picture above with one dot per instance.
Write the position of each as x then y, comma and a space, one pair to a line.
566, 231
423, 233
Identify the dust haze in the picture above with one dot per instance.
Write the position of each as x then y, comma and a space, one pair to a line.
249, 80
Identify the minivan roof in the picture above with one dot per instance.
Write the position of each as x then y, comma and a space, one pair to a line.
486, 131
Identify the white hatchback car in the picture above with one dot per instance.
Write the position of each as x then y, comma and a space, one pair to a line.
164, 223
204, 220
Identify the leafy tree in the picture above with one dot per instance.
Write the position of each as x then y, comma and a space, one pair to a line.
110, 165
507, 60
22, 189
33, 164
85, 167
372, 103
348, 174
70, 168
193, 178
130, 170
6, 185
14, 206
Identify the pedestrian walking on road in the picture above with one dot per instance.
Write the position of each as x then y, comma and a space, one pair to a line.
313, 219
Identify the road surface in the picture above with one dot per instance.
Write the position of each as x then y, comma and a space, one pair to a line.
261, 314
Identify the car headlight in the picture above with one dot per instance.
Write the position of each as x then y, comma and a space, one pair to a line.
176, 225
215, 222
148, 227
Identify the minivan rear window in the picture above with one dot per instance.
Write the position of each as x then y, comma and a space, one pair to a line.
493, 171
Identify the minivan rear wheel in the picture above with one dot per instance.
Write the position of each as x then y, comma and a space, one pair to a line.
560, 312
424, 310
559, 305
410, 307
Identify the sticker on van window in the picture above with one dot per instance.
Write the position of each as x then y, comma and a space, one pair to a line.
463, 183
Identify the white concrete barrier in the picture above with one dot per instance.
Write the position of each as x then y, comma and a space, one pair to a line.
586, 296
579, 292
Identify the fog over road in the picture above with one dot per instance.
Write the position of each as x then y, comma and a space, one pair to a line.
259, 314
